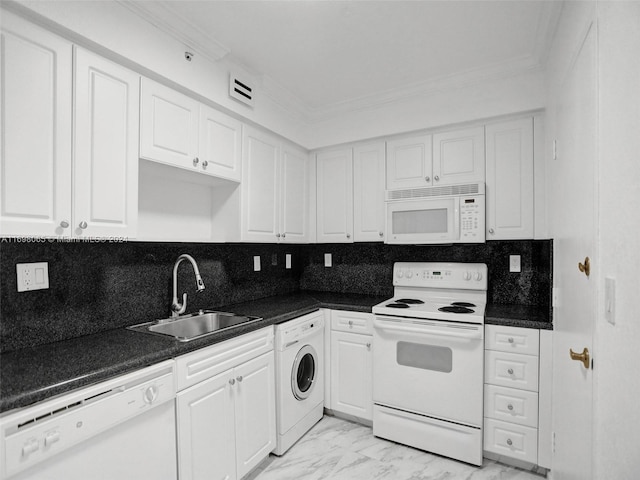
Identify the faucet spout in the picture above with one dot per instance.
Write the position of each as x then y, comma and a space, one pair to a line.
178, 308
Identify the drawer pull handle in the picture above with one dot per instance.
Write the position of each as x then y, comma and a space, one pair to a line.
510, 407
510, 339
509, 442
510, 371
581, 357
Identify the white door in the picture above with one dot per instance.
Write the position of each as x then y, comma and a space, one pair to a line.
219, 144
255, 403
368, 192
168, 126
458, 156
260, 187
294, 195
351, 374
574, 231
409, 162
334, 178
206, 430
35, 175
509, 184
105, 173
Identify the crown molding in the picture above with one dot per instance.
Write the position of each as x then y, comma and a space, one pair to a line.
169, 20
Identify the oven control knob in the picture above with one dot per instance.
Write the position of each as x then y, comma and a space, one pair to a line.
400, 273
409, 274
467, 275
477, 276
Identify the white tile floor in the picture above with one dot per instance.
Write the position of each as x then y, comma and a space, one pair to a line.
340, 450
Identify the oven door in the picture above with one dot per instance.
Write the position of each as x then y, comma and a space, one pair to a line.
433, 220
429, 367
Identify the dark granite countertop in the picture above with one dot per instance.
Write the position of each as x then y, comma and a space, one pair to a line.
30, 375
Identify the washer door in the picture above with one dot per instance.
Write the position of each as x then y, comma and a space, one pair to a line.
303, 373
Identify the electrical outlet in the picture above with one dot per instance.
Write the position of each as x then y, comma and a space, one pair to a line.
327, 259
274, 259
256, 263
287, 260
32, 276
514, 263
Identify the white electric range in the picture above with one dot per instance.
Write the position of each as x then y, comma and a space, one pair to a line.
428, 360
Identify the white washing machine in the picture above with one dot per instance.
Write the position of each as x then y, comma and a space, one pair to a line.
299, 377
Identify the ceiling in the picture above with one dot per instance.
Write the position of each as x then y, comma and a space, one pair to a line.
323, 57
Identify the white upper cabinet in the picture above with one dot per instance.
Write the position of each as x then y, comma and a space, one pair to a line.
35, 176
458, 157
509, 184
105, 174
368, 192
334, 176
274, 190
409, 162
179, 131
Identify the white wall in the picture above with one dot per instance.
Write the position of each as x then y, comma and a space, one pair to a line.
617, 393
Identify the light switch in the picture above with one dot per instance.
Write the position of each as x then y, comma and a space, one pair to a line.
327, 259
514, 263
610, 300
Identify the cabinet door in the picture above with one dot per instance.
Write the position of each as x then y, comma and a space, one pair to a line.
368, 192
458, 156
105, 173
35, 175
168, 126
509, 192
294, 195
351, 371
206, 430
409, 162
255, 414
334, 176
220, 144
260, 187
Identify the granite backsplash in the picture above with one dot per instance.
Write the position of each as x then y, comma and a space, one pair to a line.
101, 286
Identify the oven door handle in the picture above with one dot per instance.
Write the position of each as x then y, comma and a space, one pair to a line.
472, 333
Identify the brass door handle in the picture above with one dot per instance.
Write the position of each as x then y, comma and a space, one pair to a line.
581, 357
585, 267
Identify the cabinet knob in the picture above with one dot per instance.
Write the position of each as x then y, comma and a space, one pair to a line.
381, 234
284, 235
510, 407
83, 225
239, 378
64, 224
509, 442
510, 371
348, 235
232, 381
510, 339
491, 231
368, 346
205, 164
436, 178
196, 161
277, 235
428, 179
351, 323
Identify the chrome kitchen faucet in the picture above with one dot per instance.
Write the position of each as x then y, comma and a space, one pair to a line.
176, 307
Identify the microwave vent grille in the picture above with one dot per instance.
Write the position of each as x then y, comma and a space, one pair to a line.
445, 190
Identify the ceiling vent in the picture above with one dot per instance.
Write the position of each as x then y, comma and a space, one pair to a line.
240, 90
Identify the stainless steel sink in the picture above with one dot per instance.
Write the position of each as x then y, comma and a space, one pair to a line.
197, 325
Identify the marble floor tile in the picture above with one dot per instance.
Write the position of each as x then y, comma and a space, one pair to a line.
336, 449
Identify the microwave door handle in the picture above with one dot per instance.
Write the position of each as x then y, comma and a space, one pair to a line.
472, 333
456, 218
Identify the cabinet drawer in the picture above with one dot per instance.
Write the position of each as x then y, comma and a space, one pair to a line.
195, 367
511, 405
512, 339
511, 370
352, 322
511, 440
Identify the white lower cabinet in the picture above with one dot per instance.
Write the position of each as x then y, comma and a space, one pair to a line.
513, 385
351, 363
226, 421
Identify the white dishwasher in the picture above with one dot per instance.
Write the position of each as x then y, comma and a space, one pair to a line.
122, 428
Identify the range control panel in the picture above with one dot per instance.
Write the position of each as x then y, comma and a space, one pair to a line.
471, 276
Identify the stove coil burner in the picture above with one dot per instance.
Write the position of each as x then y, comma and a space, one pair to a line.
410, 301
463, 304
455, 309
397, 305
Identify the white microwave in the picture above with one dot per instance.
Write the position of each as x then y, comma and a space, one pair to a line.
433, 215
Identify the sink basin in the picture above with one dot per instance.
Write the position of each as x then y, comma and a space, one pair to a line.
197, 325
